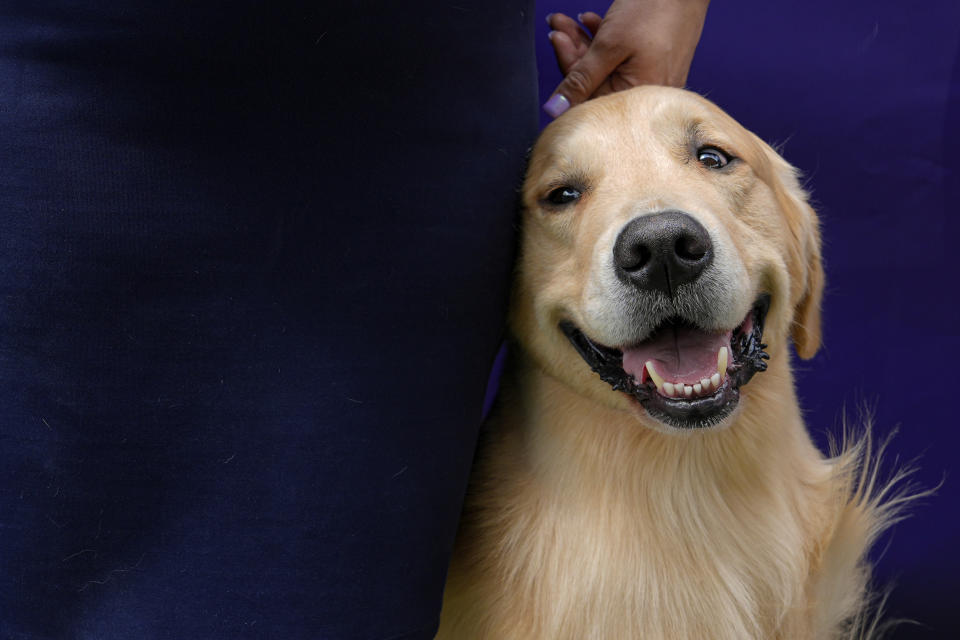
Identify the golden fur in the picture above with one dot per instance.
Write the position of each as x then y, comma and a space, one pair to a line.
588, 519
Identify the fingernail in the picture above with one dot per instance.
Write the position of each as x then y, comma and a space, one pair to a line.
549, 15
579, 17
550, 34
556, 105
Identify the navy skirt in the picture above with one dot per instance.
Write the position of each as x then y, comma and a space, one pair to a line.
253, 264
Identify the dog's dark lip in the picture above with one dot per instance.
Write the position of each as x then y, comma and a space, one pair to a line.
748, 358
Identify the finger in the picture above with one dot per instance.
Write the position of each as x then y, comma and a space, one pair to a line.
607, 86
591, 21
583, 78
565, 24
566, 51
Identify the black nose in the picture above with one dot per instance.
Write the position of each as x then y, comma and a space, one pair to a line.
662, 251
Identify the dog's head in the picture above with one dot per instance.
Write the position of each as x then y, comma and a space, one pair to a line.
664, 248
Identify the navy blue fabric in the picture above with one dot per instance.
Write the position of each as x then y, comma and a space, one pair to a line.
253, 264
865, 99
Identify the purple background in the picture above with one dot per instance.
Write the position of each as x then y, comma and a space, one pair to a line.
866, 96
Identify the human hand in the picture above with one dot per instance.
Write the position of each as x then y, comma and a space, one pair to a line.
637, 42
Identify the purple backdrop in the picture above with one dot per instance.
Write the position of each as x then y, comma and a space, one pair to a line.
866, 98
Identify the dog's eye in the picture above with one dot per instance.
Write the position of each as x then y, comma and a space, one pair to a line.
563, 195
712, 158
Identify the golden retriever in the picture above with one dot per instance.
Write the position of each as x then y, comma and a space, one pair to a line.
647, 472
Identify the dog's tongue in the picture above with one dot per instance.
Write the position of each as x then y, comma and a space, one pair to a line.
679, 354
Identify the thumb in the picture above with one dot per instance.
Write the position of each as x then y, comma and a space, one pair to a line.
583, 78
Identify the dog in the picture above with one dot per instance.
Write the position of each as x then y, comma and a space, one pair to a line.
646, 472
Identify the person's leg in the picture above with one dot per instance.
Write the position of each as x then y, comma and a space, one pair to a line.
254, 264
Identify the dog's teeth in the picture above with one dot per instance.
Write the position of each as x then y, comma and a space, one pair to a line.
687, 390
722, 362
657, 380
668, 388
705, 384
715, 380
698, 388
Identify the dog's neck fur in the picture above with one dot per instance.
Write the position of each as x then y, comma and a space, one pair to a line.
612, 444
607, 513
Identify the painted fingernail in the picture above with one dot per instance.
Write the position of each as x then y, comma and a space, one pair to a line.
556, 105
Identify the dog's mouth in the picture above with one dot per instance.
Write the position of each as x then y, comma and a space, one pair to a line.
683, 376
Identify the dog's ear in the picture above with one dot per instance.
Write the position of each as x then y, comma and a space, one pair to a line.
806, 268
806, 318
